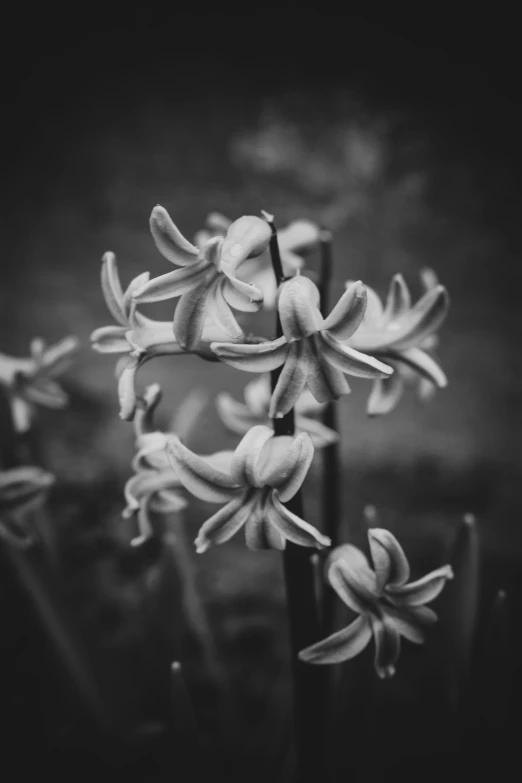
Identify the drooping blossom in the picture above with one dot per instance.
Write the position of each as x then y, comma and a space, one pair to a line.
401, 334
206, 283
388, 605
311, 350
294, 239
31, 381
241, 416
265, 472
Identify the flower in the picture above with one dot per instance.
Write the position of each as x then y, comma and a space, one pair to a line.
387, 604
139, 337
240, 417
207, 281
31, 381
265, 471
310, 348
299, 235
19, 489
400, 334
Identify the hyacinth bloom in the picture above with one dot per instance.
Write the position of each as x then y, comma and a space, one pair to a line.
137, 336
298, 236
19, 488
400, 334
265, 471
310, 350
239, 417
206, 283
388, 605
30, 382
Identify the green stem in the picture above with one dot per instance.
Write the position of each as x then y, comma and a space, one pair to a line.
302, 611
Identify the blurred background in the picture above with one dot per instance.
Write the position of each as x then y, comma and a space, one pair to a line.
400, 132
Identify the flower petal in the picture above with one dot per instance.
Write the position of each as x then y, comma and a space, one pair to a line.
169, 240
351, 361
219, 311
284, 465
126, 392
407, 624
348, 313
299, 314
257, 395
238, 299
390, 563
421, 321
246, 237
22, 413
326, 382
387, 644
43, 391
218, 223
135, 285
350, 575
110, 339
292, 527
320, 434
423, 590
340, 646
172, 284
198, 476
261, 357
298, 235
234, 415
385, 394
291, 381
243, 468
423, 364
398, 301
111, 288
226, 522
167, 502
189, 317
259, 532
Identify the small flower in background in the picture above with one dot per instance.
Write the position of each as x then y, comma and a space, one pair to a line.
264, 472
20, 489
207, 283
312, 348
30, 382
240, 417
139, 337
387, 604
297, 237
401, 334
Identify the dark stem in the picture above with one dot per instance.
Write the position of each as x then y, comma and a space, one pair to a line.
331, 484
302, 611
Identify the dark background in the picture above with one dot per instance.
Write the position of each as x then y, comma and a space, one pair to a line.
110, 110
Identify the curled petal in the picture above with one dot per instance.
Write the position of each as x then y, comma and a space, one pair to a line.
218, 223
135, 285
157, 333
243, 468
422, 363
284, 465
189, 317
169, 240
385, 394
292, 527
298, 235
423, 590
226, 522
219, 311
390, 562
234, 415
259, 532
429, 278
326, 382
320, 434
407, 624
291, 381
20, 485
110, 339
246, 237
238, 299
126, 392
111, 288
147, 404
350, 575
257, 395
299, 314
351, 361
199, 476
146, 483
421, 321
387, 644
57, 358
172, 284
43, 391
398, 301
167, 502
262, 357
340, 646
348, 313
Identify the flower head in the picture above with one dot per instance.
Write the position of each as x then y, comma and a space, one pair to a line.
310, 348
206, 283
401, 334
264, 472
298, 236
388, 605
30, 382
20, 488
240, 417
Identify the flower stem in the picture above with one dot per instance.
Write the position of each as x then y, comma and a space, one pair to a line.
303, 613
331, 484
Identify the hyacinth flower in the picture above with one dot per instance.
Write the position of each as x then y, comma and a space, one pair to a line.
265, 471
20, 488
400, 335
137, 336
206, 283
310, 350
388, 605
239, 417
297, 237
31, 381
